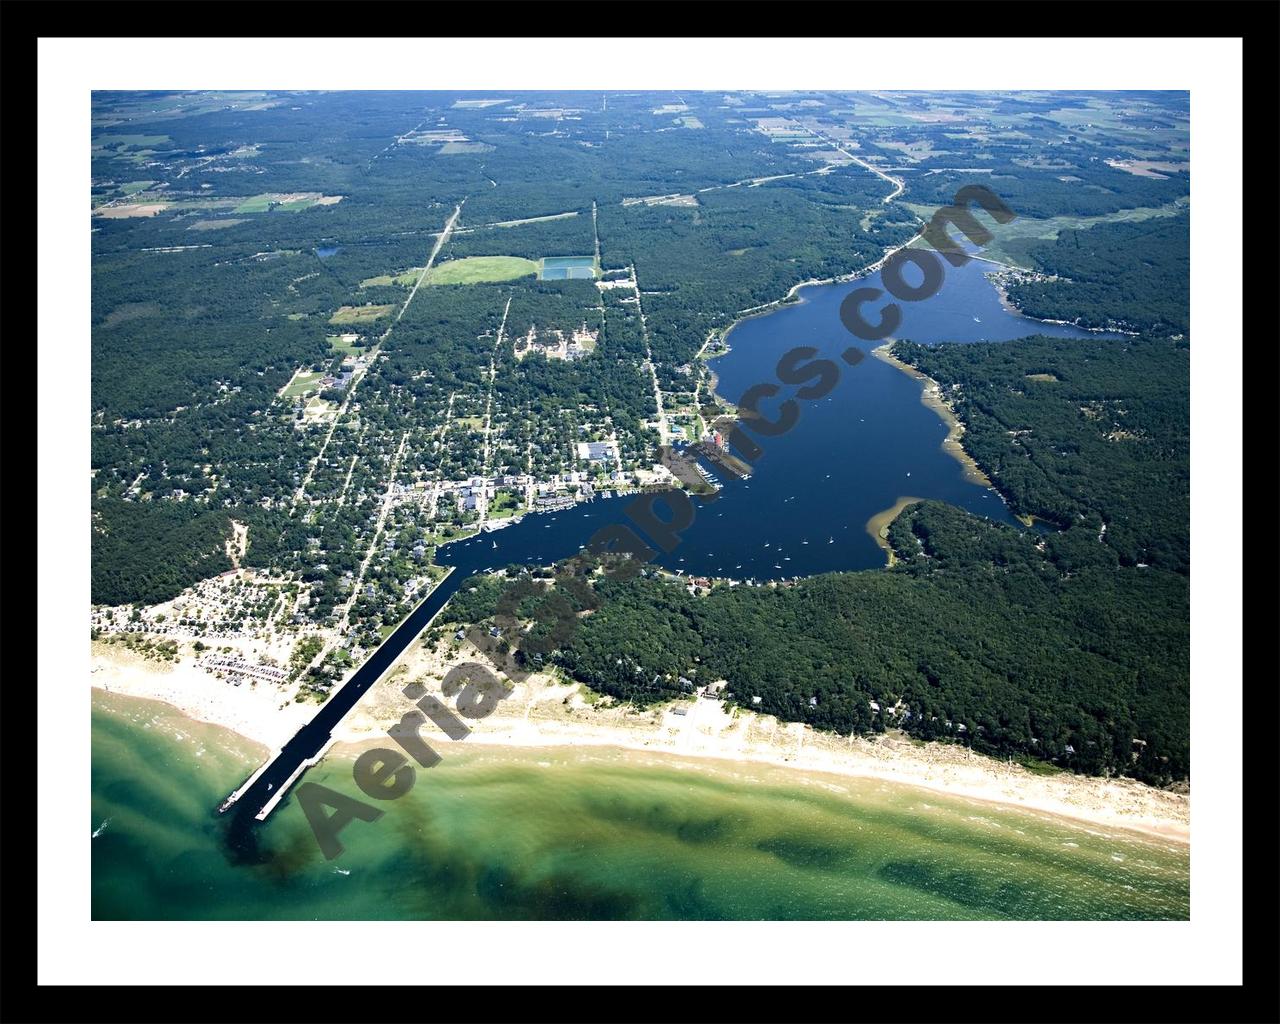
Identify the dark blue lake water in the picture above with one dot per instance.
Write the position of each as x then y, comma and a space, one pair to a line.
851, 455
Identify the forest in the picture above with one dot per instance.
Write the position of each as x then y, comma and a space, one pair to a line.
1131, 276
218, 273
1080, 433
979, 635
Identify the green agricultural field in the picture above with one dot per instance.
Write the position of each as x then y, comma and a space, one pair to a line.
256, 204
454, 148
359, 314
405, 279
481, 269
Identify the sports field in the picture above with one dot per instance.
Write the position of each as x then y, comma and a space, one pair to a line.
557, 268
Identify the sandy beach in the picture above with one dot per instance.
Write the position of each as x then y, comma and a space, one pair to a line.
931, 398
547, 712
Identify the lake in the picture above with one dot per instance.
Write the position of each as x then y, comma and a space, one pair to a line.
601, 834
851, 454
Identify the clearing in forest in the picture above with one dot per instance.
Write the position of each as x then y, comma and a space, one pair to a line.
480, 269
359, 314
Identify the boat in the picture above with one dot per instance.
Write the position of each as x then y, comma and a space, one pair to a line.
976, 320
495, 543
831, 540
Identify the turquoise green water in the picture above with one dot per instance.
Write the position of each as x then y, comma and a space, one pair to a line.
593, 834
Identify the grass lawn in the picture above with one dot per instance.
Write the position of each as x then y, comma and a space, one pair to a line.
359, 314
505, 504
479, 269
302, 384
347, 348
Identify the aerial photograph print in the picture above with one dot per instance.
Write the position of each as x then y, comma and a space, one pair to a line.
639, 505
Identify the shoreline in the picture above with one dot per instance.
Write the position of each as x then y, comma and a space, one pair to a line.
545, 712
996, 277
878, 526
931, 398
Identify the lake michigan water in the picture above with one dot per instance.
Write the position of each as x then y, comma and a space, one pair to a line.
595, 834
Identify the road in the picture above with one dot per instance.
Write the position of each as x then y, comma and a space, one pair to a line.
373, 544
488, 411
664, 432
355, 381
899, 184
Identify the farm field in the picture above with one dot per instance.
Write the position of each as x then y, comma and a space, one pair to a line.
359, 314
481, 269
406, 279
291, 201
